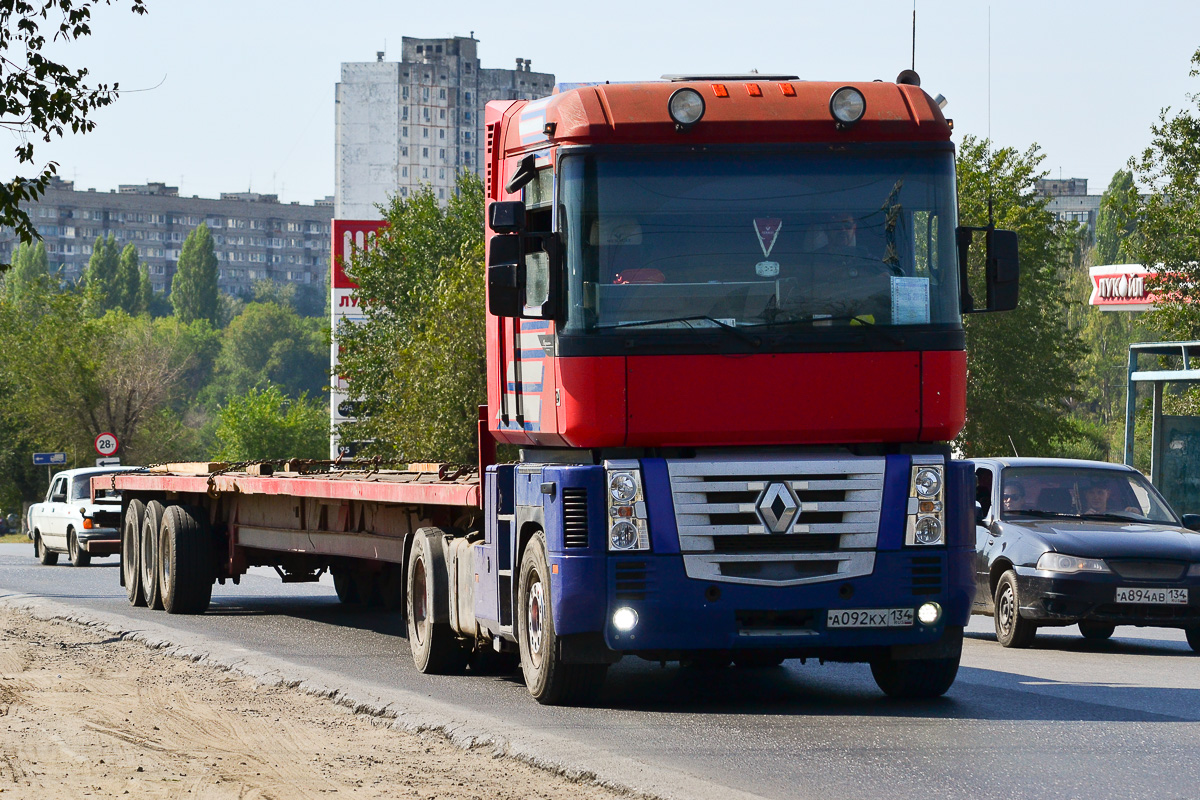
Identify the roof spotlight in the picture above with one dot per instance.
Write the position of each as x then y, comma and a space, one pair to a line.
686, 107
847, 105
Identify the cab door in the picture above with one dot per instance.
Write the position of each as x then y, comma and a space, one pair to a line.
54, 532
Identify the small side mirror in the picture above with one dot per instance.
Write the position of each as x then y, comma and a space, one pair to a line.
980, 517
1191, 522
526, 171
507, 216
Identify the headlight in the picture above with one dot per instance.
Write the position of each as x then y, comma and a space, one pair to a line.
1057, 562
686, 107
623, 487
928, 482
928, 530
847, 105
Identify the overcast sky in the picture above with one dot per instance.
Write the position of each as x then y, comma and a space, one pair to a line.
234, 96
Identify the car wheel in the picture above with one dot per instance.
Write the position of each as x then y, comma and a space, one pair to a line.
44, 554
131, 547
550, 680
78, 556
1097, 631
1011, 629
1193, 638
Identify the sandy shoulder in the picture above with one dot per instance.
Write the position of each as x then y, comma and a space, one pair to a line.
83, 714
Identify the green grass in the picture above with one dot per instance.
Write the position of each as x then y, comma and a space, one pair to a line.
14, 538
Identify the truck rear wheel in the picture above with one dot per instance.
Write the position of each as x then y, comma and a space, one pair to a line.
549, 680
131, 547
185, 551
148, 554
435, 648
78, 556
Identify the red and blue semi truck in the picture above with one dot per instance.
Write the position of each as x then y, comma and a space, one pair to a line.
725, 332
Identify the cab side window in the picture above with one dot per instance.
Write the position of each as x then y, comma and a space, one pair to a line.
58, 491
984, 480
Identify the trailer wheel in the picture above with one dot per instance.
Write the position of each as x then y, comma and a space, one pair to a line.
435, 648
346, 587
79, 557
44, 554
549, 680
131, 546
148, 554
185, 561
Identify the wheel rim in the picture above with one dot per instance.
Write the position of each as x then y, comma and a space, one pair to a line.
533, 619
1005, 610
419, 611
148, 558
164, 548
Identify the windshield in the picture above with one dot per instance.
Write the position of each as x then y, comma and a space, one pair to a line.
1082, 492
81, 489
756, 238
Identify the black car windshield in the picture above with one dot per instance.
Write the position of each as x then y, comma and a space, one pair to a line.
759, 238
1084, 492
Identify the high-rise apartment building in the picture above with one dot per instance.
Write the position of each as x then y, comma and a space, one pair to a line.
399, 125
255, 236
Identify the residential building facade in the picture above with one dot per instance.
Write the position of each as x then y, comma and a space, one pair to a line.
401, 125
255, 236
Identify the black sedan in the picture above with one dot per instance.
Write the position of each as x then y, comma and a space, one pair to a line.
1063, 542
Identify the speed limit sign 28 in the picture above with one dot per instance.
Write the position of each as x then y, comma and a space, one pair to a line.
106, 444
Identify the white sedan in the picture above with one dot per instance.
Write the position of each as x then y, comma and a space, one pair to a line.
68, 521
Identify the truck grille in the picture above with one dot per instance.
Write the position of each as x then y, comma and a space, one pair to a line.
777, 522
575, 518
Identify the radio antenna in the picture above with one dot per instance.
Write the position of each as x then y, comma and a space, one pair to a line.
1014, 446
991, 177
914, 43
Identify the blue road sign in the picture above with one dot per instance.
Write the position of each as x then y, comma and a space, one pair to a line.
49, 459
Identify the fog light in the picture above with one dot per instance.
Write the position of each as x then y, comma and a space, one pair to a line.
929, 613
625, 619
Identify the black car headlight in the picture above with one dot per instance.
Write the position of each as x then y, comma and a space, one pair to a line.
1057, 562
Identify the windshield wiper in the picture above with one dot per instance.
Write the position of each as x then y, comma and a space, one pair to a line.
1032, 512
820, 321
1114, 517
725, 326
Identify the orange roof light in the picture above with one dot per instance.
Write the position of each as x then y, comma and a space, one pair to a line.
787, 89
754, 90
719, 90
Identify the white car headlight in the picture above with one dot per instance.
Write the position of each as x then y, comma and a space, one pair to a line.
1057, 562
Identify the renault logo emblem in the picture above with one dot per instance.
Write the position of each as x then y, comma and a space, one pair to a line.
777, 508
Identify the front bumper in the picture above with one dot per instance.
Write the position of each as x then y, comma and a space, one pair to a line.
1054, 599
100, 541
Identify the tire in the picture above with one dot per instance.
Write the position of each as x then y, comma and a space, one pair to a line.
346, 587
435, 648
77, 555
1096, 631
185, 552
1193, 638
131, 546
1011, 629
44, 554
757, 659
922, 679
148, 554
549, 680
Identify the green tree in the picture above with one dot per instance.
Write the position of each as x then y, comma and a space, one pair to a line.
102, 276
1021, 364
194, 288
270, 343
1168, 237
1117, 218
267, 425
30, 271
39, 97
418, 361
145, 291
128, 282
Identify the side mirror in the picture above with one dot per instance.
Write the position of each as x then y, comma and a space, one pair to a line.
1003, 270
980, 517
505, 278
507, 216
1191, 522
523, 275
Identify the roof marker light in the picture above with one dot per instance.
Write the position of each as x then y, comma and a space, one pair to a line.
686, 107
754, 90
847, 105
787, 89
719, 90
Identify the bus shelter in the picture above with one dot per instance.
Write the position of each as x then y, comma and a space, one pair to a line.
1174, 440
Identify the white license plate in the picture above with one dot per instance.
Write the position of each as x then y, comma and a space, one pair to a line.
870, 618
1170, 597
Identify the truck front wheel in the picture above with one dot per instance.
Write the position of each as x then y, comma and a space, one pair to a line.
435, 648
921, 679
131, 547
550, 681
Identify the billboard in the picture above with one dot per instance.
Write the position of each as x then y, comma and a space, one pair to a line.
1121, 287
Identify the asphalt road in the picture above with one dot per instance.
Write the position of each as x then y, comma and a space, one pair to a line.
1064, 719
